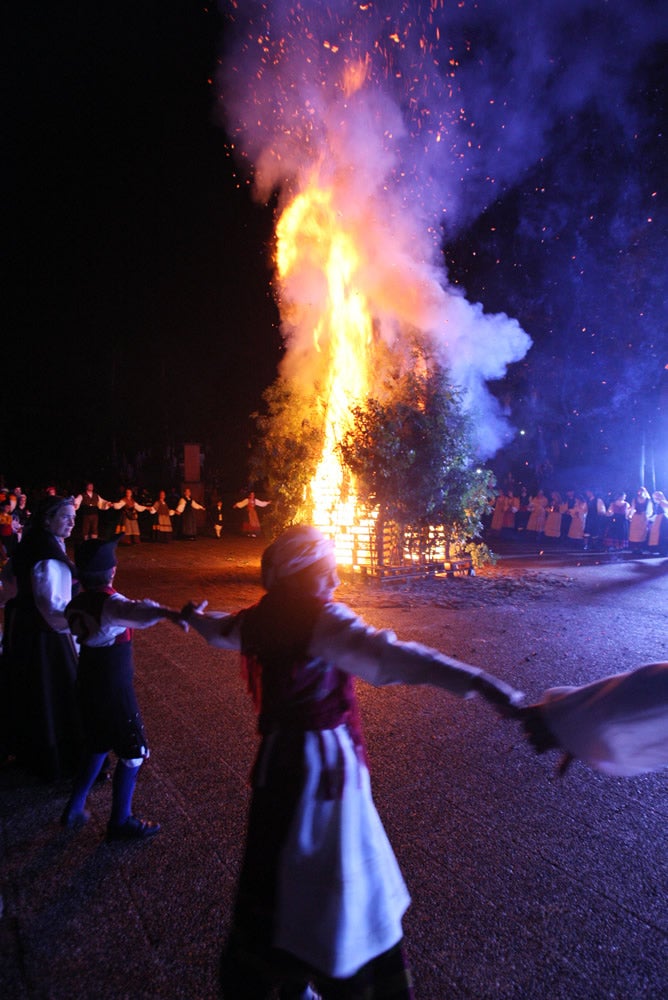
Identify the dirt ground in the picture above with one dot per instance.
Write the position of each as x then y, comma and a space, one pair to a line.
579, 616
524, 885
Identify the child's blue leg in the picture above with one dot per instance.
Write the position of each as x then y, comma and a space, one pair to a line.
75, 813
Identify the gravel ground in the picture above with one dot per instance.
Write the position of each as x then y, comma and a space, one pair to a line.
525, 886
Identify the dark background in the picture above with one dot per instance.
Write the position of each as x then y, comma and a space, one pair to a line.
140, 311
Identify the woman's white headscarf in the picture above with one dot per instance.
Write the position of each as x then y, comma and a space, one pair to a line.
296, 549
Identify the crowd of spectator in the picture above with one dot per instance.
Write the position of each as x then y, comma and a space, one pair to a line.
582, 519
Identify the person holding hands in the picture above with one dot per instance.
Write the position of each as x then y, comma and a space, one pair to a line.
321, 897
103, 620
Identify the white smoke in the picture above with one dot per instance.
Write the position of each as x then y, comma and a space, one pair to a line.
457, 102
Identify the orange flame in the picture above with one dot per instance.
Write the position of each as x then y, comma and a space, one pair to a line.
312, 241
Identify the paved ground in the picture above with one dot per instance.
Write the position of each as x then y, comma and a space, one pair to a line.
525, 887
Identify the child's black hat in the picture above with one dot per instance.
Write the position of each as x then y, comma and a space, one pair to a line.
95, 555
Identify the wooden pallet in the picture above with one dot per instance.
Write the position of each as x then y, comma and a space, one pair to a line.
455, 567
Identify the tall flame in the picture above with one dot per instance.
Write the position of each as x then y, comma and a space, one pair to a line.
310, 235
353, 114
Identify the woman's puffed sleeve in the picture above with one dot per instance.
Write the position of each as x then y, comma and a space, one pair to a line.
377, 656
52, 590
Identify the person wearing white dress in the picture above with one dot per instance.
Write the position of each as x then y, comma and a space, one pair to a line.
578, 514
537, 513
321, 896
553, 513
640, 518
657, 543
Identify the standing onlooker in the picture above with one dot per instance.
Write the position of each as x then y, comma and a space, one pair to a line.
552, 529
594, 521
103, 620
640, 516
186, 508
90, 503
512, 505
8, 527
499, 513
523, 510
658, 533
538, 505
578, 514
39, 656
617, 531
567, 514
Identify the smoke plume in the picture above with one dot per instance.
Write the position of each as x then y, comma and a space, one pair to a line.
417, 115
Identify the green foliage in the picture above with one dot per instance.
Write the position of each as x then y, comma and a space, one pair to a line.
480, 554
286, 452
412, 455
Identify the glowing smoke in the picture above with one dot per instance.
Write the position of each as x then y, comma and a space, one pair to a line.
415, 116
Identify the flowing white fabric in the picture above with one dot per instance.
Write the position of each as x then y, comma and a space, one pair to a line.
618, 725
341, 893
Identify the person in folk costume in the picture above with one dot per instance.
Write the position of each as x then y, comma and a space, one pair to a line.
320, 897
90, 503
500, 512
640, 517
657, 542
523, 510
594, 521
537, 513
251, 525
578, 514
8, 527
162, 526
128, 524
617, 725
552, 528
567, 513
512, 505
19, 513
42, 727
103, 621
617, 530
186, 508
218, 519
22, 514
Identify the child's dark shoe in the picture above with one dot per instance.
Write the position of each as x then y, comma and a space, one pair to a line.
132, 829
74, 819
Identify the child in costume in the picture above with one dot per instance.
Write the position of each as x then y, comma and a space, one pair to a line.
102, 620
320, 898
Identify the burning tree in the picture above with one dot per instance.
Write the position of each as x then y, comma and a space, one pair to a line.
286, 450
405, 457
328, 112
413, 462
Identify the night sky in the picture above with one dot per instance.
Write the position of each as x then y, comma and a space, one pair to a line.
140, 306
142, 313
